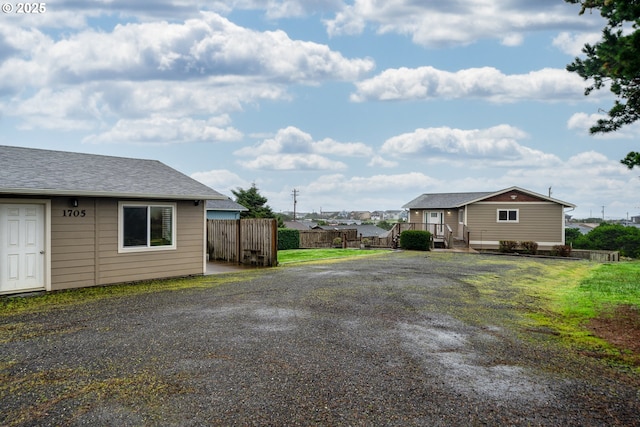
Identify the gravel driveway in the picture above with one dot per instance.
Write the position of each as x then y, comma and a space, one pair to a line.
398, 339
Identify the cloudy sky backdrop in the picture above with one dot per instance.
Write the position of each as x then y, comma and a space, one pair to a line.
357, 104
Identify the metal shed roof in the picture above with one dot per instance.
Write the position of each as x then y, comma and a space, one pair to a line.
225, 205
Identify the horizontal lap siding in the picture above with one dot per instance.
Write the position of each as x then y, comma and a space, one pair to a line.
187, 259
538, 222
85, 249
72, 243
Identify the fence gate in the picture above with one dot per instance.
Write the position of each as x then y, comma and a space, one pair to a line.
243, 241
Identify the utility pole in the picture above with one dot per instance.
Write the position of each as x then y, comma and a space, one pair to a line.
603, 213
295, 202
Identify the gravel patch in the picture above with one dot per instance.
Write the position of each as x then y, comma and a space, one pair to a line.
392, 340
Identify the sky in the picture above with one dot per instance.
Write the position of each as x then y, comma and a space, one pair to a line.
355, 104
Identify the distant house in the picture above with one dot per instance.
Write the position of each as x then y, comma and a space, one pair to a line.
297, 225
395, 215
71, 220
360, 215
482, 219
224, 209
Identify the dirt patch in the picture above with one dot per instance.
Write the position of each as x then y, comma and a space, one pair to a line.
620, 327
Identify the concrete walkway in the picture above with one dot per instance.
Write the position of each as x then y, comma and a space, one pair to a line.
225, 267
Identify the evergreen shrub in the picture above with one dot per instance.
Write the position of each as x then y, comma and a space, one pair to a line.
415, 240
288, 239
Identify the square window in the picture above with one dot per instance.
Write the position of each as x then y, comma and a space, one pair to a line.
146, 227
508, 215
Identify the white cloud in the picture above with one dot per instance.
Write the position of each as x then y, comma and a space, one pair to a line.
572, 44
347, 149
194, 49
582, 122
205, 66
496, 146
221, 180
292, 8
443, 24
513, 40
291, 162
293, 149
95, 105
546, 85
382, 162
286, 141
163, 130
359, 184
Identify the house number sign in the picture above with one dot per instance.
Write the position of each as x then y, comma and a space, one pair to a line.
78, 213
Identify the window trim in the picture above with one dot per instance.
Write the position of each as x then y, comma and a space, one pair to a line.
148, 248
517, 220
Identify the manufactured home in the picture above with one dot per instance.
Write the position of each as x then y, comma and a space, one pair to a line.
70, 220
482, 219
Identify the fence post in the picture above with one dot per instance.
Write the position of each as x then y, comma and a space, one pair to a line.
239, 241
273, 261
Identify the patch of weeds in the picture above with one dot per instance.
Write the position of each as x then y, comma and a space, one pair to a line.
18, 331
37, 394
12, 305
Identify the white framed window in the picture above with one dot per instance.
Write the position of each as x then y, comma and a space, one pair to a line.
508, 215
146, 226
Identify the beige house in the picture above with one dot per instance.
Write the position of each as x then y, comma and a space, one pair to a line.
482, 219
70, 220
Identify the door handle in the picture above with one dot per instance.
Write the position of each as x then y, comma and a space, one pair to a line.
41, 252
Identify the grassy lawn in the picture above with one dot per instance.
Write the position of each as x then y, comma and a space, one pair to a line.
606, 286
566, 297
304, 255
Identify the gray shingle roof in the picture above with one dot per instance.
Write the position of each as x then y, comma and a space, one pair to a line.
445, 200
48, 172
225, 205
456, 200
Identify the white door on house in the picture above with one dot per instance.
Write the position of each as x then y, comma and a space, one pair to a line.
435, 222
21, 247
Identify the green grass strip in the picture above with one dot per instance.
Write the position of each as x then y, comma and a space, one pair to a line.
304, 255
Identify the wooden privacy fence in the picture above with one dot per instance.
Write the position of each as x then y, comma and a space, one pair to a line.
310, 239
243, 241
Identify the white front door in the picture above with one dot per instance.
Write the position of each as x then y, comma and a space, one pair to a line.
22, 245
435, 222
